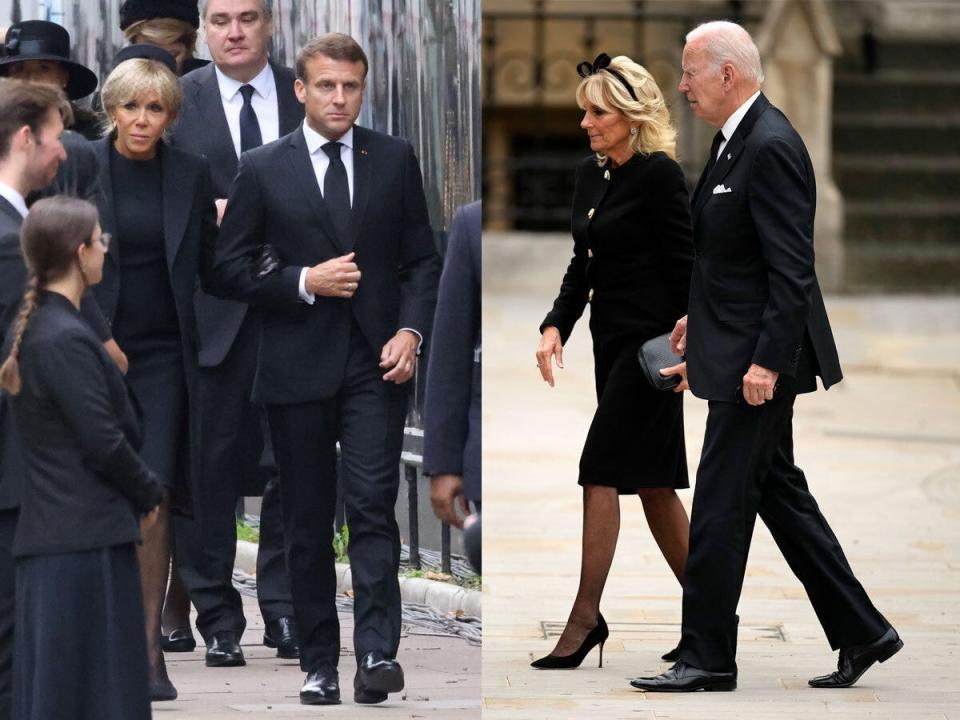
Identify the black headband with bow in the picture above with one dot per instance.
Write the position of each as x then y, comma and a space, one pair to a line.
586, 69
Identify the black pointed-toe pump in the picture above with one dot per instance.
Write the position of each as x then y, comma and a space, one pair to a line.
597, 636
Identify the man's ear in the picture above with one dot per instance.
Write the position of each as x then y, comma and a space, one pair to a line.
729, 74
23, 137
300, 90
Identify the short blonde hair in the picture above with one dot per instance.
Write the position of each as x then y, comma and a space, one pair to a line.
604, 90
132, 78
163, 31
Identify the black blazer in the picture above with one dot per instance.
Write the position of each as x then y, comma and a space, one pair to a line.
632, 250
451, 436
201, 128
754, 296
85, 484
13, 278
275, 199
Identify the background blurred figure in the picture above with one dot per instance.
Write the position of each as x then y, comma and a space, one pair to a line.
631, 262
169, 24
451, 437
239, 102
39, 51
80, 649
158, 205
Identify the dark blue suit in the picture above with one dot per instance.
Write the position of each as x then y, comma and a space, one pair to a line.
451, 438
317, 369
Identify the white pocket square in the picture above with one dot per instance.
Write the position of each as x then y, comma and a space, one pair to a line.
720, 190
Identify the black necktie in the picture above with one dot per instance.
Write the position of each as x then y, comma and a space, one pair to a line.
250, 136
336, 192
714, 147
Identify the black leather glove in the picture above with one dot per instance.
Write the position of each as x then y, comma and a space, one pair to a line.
267, 262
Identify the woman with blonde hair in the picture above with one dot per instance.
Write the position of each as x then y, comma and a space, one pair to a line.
157, 202
168, 24
87, 494
632, 259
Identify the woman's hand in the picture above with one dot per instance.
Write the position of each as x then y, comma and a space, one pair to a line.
681, 370
150, 519
550, 346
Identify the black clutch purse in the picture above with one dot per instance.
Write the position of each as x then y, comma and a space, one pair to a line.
654, 355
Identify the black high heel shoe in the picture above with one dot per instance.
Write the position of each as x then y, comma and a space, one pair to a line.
597, 636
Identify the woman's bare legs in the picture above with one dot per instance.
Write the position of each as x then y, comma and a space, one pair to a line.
601, 526
154, 556
669, 525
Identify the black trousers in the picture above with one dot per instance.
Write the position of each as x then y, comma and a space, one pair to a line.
8, 525
746, 468
366, 417
233, 462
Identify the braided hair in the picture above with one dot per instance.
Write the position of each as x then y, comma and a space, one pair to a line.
49, 238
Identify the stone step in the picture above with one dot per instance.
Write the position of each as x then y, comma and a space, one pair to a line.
903, 267
897, 177
934, 134
920, 53
903, 91
910, 223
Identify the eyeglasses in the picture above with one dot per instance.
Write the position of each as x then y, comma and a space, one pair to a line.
105, 239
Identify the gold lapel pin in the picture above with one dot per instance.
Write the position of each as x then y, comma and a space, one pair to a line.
729, 156
590, 214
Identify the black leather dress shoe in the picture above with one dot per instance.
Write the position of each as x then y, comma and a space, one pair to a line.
282, 635
162, 690
376, 677
224, 650
686, 678
179, 640
322, 687
856, 660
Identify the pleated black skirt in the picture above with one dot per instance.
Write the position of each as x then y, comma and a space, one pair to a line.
79, 648
636, 438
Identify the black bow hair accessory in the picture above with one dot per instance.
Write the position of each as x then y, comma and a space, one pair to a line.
586, 69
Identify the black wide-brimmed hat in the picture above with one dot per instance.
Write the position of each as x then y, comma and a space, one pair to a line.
136, 10
42, 40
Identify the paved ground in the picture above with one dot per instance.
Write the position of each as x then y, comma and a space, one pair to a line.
881, 452
442, 678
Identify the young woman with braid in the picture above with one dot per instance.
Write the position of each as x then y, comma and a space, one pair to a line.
79, 649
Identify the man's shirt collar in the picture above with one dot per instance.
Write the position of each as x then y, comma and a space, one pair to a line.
730, 126
263, 83
315, 140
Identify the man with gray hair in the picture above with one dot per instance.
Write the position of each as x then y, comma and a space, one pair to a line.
756, 335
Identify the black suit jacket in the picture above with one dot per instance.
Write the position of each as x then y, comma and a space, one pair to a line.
201, 128
754, 296
632, 250
275, 199
13, 278
451, 437
85, 483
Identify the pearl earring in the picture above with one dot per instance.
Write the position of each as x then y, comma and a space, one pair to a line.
634, 131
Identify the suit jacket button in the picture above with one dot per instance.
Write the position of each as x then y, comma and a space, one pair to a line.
589, 252
590, 214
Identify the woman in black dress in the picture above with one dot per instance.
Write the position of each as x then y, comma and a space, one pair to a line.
633, 253
157, 203
79, 645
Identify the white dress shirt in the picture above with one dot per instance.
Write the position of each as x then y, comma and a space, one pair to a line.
263, 100
14, 198
730, 126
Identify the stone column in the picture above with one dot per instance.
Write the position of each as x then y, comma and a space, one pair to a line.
797, 42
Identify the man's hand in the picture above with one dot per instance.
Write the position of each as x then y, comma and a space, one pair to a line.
399, 356
445, 490
758, 385
334, 278
678, 338
117, 355
221, 204
681, 370
150, 519
550, 346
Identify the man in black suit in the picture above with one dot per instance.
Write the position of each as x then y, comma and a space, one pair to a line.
756, 335
31, 123
239, 101
451, 438
342, 319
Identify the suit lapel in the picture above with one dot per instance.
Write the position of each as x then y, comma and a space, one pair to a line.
7, 209
206, 93
108, 218
306, 179
289, 109
728, 157
362, 178
177, 198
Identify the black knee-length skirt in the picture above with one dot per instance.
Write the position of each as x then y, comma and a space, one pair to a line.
636, 437
80, 644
